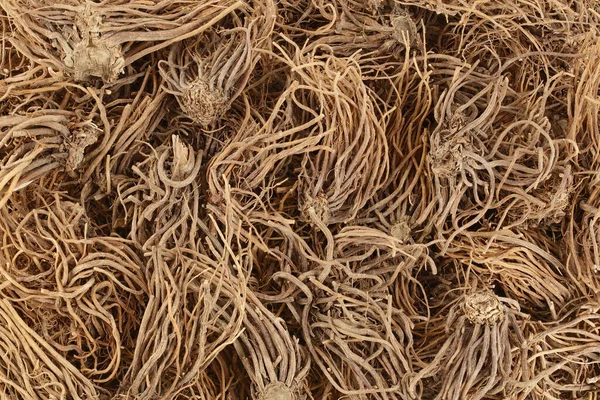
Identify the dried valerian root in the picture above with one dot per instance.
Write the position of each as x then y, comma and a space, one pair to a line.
93, 56
222, 379
161, 206
354, 146
481, 354
583, 233
564, 356
205, 80
403, 206
12, 63
526, 270
128, 122
547, 204
27, 87
30, 368
207, 73
487, 154
195, 309
286, 200
583, 239
219, 380
377, 260
456, 150
582, 124
100, 40
34, 145
258, 157
530, 47
79, 291
274, 360
351, 26
361, 343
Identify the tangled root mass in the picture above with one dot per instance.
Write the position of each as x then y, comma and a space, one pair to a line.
299, 199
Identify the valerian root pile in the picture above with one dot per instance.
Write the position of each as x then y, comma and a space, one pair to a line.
299, 199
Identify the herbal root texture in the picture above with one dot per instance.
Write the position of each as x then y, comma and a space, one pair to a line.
481, 355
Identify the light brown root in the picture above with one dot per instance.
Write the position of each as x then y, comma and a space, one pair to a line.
315, 210
401, 230
277, 391
276, 364
405, 29
207, 74
31, 368
98, 58
36, 145
202, 103
343, 325
526, 270
371, 27
78, 290
563, 356
483, 308
195, 310
161, 205
480, 352
289, 199
546, 204
100, 39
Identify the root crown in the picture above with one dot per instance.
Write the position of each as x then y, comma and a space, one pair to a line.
483, 308
96, 58
404, 27
401, 231
316, 209
278, 391
204, 104
75, 145
448, 147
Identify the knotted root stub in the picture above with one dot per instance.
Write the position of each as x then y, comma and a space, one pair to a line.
183, 159
448, 147
75, 145
315, 210
96, 58
404, 27
277, 391
92, 55
202, 103
483, 308
556, 194
401, 230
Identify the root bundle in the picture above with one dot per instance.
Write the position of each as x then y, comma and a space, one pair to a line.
299, 199
481, 354
87, 40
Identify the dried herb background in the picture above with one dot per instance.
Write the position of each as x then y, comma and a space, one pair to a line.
299, 199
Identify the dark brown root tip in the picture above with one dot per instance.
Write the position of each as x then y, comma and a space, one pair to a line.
483, 308
204, 104
277, 391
